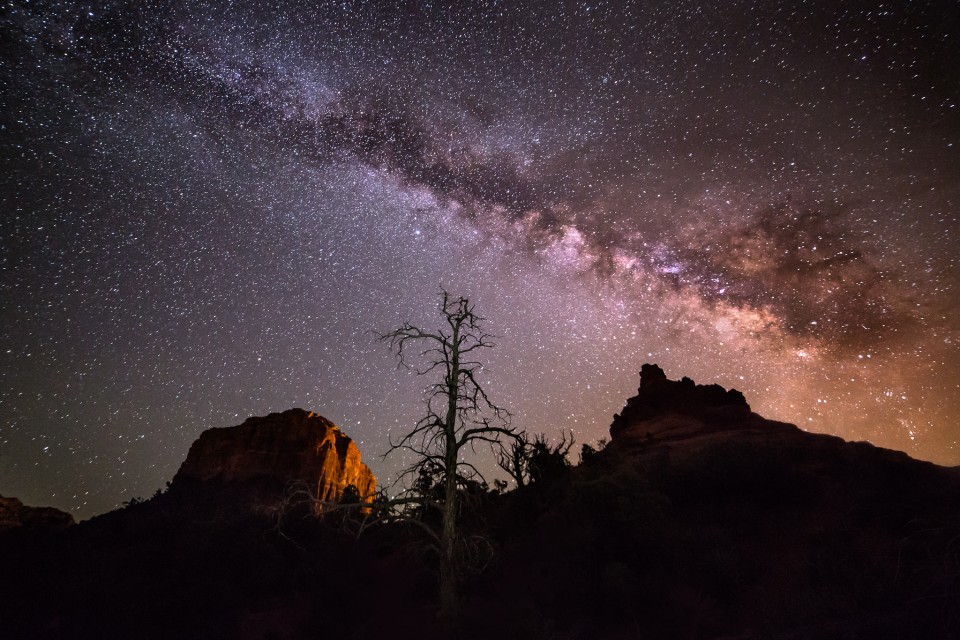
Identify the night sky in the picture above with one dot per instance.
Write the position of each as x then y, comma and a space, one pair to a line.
208, 209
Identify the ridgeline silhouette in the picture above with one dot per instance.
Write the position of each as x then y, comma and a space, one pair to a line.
700, 519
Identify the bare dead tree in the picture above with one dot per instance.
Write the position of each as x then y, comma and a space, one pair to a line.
459, 417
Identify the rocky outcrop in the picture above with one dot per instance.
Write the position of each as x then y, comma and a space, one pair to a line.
682, 420
666, 408
15, 515
681, 413
295, 445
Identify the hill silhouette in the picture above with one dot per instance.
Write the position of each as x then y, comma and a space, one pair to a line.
700, 519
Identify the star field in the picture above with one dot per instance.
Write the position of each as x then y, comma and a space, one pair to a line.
207, 209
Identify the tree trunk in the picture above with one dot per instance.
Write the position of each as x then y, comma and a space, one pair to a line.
448, 537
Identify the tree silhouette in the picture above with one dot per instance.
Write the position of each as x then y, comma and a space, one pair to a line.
515, 459
549, 462
459, 417
530, 461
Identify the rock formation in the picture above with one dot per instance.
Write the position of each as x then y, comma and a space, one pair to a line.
295, 445
666, 408
683, 416
684, 420
15, 515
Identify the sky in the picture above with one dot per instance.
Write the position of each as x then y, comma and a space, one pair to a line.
209, 210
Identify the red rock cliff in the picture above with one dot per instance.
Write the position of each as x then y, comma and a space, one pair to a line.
293, 445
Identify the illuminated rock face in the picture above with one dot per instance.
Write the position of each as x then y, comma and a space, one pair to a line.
15, 515
295, 445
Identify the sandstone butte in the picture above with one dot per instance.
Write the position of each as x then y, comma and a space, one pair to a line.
685, 418
679, 419
672, 410
293, 446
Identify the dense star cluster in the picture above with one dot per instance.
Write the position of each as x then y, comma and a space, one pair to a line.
209, 208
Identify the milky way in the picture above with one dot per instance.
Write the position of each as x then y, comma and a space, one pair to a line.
209, 210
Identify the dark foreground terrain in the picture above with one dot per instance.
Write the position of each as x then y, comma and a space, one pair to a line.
700, 519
